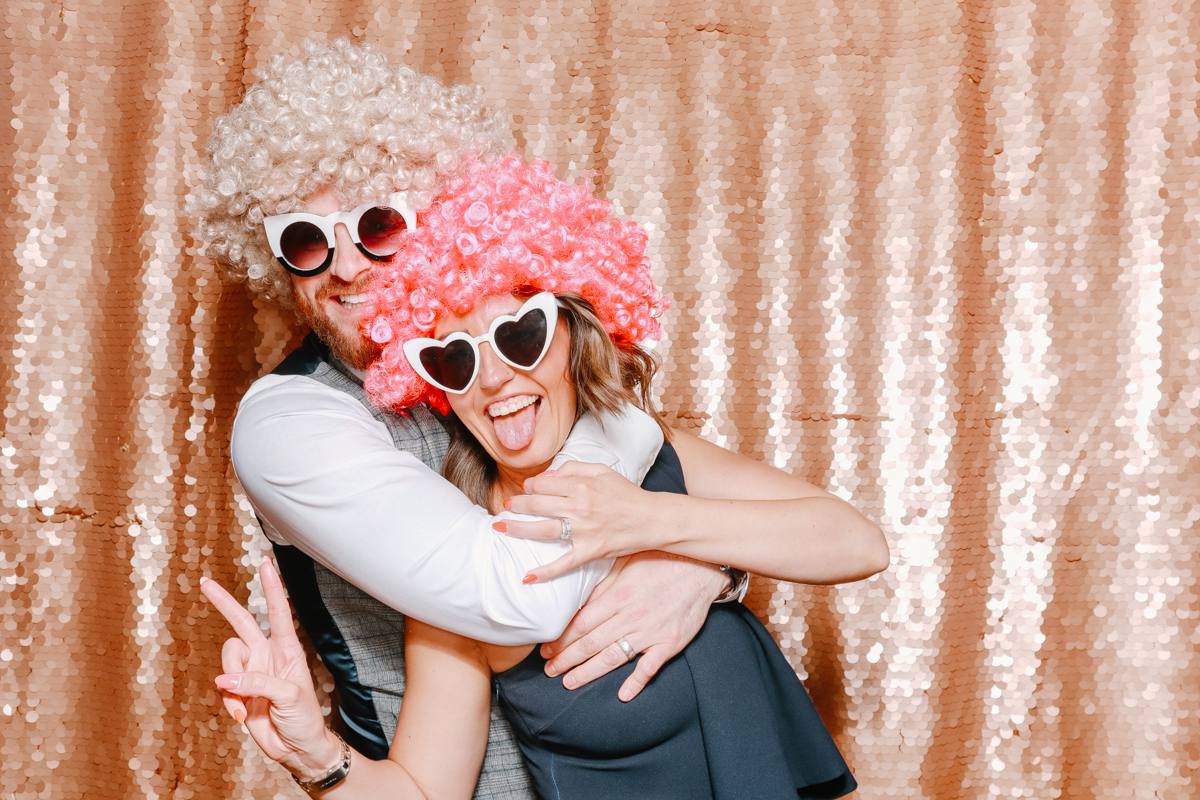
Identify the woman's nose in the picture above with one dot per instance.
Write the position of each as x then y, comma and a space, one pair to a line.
493, 372
348, 261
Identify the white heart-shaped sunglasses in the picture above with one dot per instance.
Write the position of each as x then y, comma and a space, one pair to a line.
519, 340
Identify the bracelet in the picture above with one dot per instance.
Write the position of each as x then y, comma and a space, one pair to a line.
739, 582
333, 777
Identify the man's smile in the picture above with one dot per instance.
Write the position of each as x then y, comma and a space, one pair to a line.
351, 300
354, 297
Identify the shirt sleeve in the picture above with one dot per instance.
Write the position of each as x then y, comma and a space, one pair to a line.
323, 475
628, 442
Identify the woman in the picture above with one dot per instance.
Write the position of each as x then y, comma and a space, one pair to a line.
514, 259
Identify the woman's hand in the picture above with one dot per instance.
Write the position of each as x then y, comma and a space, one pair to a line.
739, 512
267, 684
609, 516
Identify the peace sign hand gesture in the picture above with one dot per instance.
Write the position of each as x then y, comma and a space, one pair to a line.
267, 683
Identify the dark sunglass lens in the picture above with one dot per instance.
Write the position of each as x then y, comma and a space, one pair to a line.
379, 230
450, 366
521, 341
304, 246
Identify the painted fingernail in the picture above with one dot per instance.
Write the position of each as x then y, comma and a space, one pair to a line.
530, 578
227, 681
240, 716
569, 681
508, 505
500, 527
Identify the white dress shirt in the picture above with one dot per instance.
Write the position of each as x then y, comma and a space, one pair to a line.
323, 475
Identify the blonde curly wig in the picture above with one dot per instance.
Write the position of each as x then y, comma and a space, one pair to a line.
342, 116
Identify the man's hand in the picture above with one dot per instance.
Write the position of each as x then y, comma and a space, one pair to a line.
657, 602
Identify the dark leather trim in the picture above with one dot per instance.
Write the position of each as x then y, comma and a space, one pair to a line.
304, 360
365, 733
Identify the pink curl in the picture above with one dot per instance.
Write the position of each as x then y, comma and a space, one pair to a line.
477, 214
467, 244
381, 330
541, 232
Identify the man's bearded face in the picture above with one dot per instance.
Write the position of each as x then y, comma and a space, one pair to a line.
335, 303
342, 336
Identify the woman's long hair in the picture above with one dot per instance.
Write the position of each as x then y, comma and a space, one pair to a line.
605, 378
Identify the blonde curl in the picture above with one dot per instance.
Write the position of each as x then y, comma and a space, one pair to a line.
342, 116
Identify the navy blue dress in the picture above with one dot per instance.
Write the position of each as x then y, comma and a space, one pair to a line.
727, 718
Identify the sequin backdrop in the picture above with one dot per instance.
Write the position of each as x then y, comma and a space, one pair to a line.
938, 256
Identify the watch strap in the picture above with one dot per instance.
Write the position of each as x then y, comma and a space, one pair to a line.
739, 582
333, 777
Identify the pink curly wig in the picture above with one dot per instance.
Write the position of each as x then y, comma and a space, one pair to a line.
507, 228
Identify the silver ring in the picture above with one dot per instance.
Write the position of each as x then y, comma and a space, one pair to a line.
626, 648
566, 529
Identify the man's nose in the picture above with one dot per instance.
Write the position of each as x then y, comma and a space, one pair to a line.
493, 372
348, 262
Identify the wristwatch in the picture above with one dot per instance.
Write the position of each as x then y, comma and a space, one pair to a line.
739, 582
333, 777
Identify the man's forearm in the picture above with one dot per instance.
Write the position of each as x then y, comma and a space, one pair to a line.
324, 476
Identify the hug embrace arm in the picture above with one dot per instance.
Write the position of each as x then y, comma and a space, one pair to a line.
325, 476
739, 512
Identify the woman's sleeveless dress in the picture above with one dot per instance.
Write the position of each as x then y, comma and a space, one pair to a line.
725, 719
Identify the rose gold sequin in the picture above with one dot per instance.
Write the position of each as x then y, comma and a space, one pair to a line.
939, 257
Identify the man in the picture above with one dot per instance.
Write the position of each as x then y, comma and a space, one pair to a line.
365, 530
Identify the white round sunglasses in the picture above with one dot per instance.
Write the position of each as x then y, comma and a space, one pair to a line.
304, 242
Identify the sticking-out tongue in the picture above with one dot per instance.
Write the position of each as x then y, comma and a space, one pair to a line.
515, 430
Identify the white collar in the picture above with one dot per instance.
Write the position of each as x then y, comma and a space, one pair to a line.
358, 373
